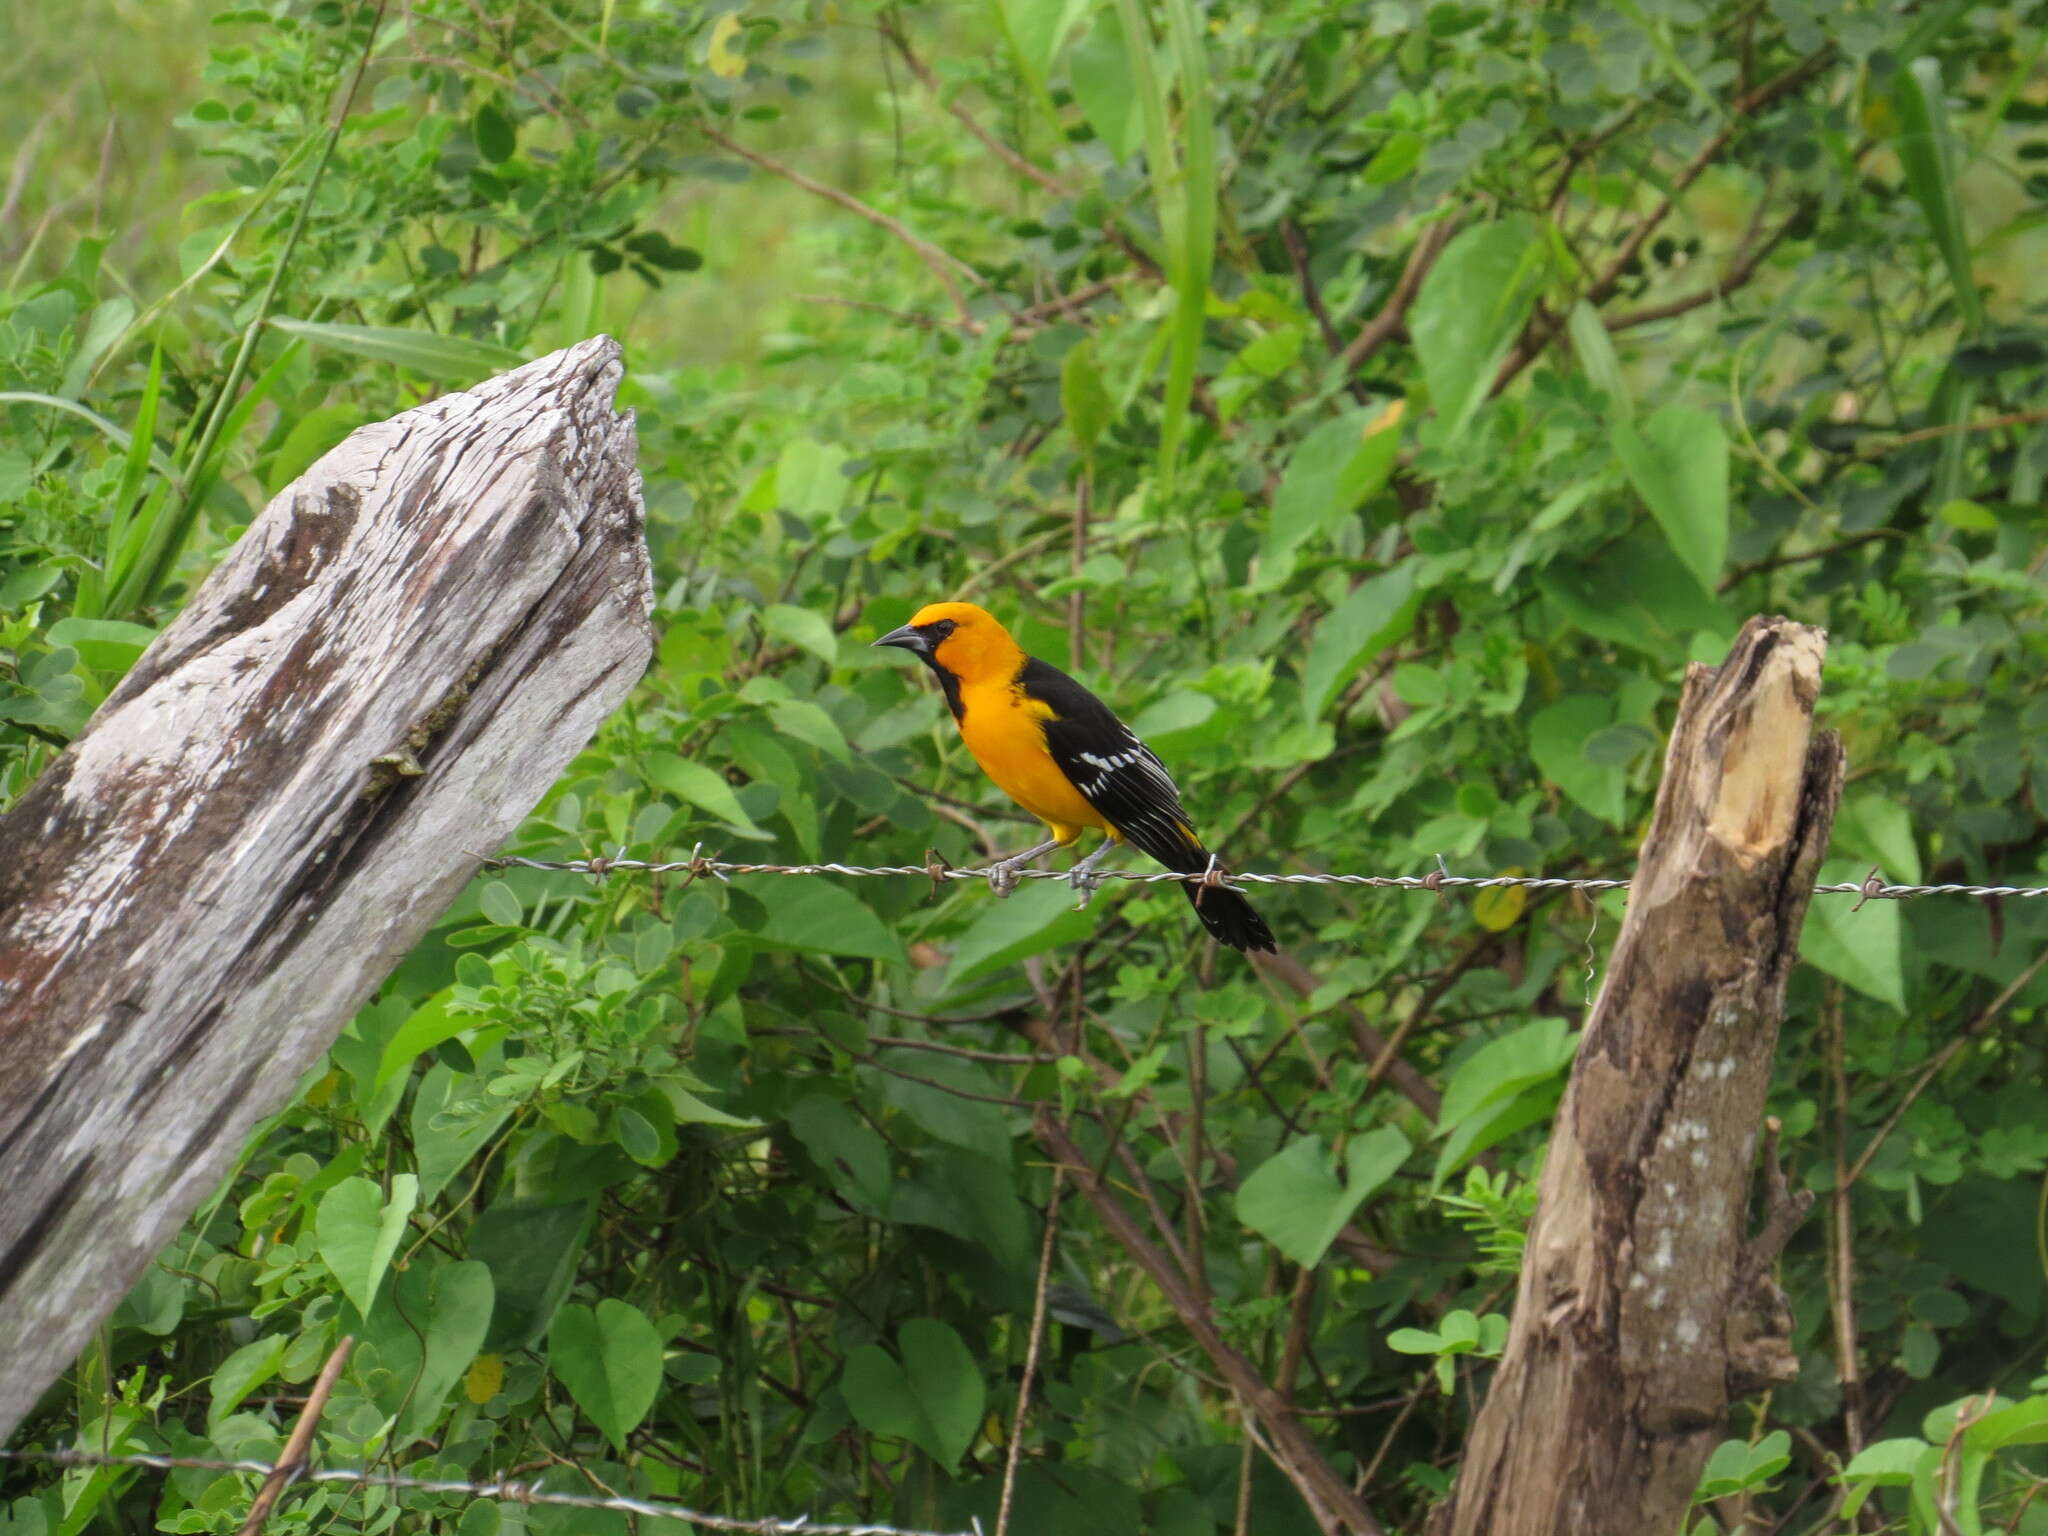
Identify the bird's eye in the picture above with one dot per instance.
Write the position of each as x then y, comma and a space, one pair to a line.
940, 630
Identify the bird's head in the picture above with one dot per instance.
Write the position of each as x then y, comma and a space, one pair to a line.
959, 638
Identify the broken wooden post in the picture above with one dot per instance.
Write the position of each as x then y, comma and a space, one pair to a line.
1643, 1308
378, 683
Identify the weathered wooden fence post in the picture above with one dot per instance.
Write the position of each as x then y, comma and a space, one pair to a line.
377, 684
1643, 1305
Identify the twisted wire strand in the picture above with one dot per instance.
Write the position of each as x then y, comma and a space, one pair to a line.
511, 1489
1872, 888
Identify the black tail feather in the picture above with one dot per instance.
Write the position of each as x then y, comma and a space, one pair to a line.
1229, 917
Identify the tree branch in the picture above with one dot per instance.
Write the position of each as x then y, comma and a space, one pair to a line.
940, 263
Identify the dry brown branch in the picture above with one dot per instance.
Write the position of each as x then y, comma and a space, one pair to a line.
300, 1442
1381, 327
1329, 1498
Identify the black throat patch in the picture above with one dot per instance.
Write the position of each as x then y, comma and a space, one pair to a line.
951, 685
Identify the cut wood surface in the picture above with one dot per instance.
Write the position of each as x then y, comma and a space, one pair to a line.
1644, 1306
380, 681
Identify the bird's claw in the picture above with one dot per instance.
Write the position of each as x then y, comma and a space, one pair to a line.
1084, 885
1002, 879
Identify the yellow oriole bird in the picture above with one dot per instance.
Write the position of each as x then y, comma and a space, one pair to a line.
1059, 752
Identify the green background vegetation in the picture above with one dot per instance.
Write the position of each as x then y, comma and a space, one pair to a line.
729, 1192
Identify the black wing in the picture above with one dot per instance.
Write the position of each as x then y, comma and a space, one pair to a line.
1114, 771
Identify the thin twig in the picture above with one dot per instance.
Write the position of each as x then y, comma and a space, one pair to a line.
995, 146
1383, 325
1941, 1059
940, 264
1748, 258
1842, 1255
1776, 562
1949, 429
1546, 326
1052, 1227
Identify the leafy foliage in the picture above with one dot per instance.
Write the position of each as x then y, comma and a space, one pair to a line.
1381, 404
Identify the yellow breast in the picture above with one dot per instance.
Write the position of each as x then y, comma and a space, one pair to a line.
1005, 731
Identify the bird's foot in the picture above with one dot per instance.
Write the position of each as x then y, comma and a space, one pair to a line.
1083, 880
1002, 875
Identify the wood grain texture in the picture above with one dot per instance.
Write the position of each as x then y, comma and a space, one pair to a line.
1644, 1309
379, 682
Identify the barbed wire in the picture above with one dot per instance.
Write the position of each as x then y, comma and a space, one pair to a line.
508, 1489
1872, 887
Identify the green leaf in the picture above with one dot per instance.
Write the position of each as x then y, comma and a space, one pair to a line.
532, 1247
424, 1028
1596, 354
1502, 1068
105, 645
1879, 830
1859, 949
1038, 27
311, 436
1736, 1465
443, 1144
1414, 1341
1294, 1199
802, 628
457, 358
827, 919
2023, 1423
242, 1373
968, 1123
1471, 308
1084, 398
610, 1360
1931, 156
702, 787
29, 583
358, 1232
808, 482
497, 136
1038, 916
1557, 741
1334, 469
1678, 464
808, 723
1377, 613
850, 1153
934, 1399
1099, 72
427, 1339
110, 321
1887, 1464
1489, 1126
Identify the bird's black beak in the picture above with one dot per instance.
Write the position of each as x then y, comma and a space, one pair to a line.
910, 638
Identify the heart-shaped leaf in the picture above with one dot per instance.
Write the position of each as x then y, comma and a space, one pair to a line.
934, 1398
358, 1232
610, 1360
1295, 1201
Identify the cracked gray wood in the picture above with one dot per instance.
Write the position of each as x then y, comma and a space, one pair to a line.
1643, 1309
383, 677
